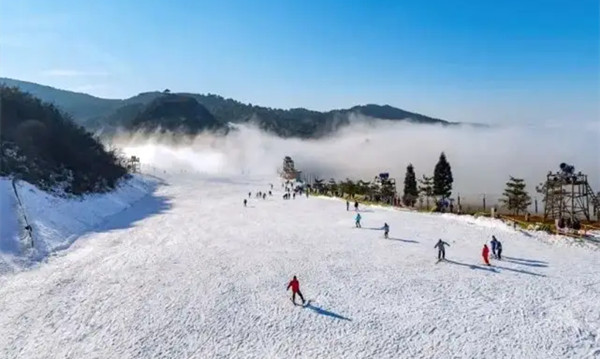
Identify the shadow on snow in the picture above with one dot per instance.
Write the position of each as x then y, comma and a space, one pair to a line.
493, 268
403, 240
525, 260
324, 312
472, 266
521, 271
148, 206
530, 264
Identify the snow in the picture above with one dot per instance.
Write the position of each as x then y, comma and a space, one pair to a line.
57, 221
9, 227
188, 272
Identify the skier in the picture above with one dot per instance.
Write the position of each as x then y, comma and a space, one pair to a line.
245, 202
294, 195
347, 206
440, 245
295, 285
485, 253
264, 196
494, 242
358, 217
386, 230
249, 194
499, 249
356, 206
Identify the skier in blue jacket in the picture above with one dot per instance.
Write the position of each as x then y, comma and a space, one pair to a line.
498, 249
357, 218
494, 242
386, 230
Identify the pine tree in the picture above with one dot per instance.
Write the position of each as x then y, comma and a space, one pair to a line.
442, 178
411, 193
426, 188
332, 186
516, 197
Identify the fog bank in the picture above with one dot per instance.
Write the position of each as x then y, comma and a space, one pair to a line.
482, 158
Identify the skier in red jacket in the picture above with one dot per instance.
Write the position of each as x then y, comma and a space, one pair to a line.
295, 290
485, 253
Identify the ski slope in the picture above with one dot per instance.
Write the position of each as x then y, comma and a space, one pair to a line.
205, 277
57, 221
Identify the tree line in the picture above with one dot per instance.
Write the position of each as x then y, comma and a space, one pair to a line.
436, 189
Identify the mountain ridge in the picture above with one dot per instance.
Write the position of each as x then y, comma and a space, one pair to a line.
108, 115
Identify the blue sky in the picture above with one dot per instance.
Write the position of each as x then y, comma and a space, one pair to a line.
477, 61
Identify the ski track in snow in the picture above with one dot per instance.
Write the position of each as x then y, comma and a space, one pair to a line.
207, 278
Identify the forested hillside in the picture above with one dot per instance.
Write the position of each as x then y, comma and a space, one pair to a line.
43, 146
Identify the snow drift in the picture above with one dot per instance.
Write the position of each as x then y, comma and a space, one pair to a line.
57, 221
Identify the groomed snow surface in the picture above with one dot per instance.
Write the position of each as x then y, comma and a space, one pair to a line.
188, 272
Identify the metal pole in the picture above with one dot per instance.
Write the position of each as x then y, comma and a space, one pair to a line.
572, 200
484, 208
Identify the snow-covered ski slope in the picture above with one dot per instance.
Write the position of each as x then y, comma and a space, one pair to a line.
206, 278
57, 221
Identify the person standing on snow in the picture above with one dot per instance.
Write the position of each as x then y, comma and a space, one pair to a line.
485, 253
347, 206
295, 285
356, 206
245, 202
494, 242
357, 218
440, 245
386, 230
499, 249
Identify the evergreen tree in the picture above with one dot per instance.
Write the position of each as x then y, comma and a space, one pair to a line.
516, 198
426, 188
332, 186
387, 192
319, 185
411, 193
442, 178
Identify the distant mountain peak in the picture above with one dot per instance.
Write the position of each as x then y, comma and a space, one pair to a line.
176, 113
206, 111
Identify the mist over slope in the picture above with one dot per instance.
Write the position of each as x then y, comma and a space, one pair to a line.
482, 158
